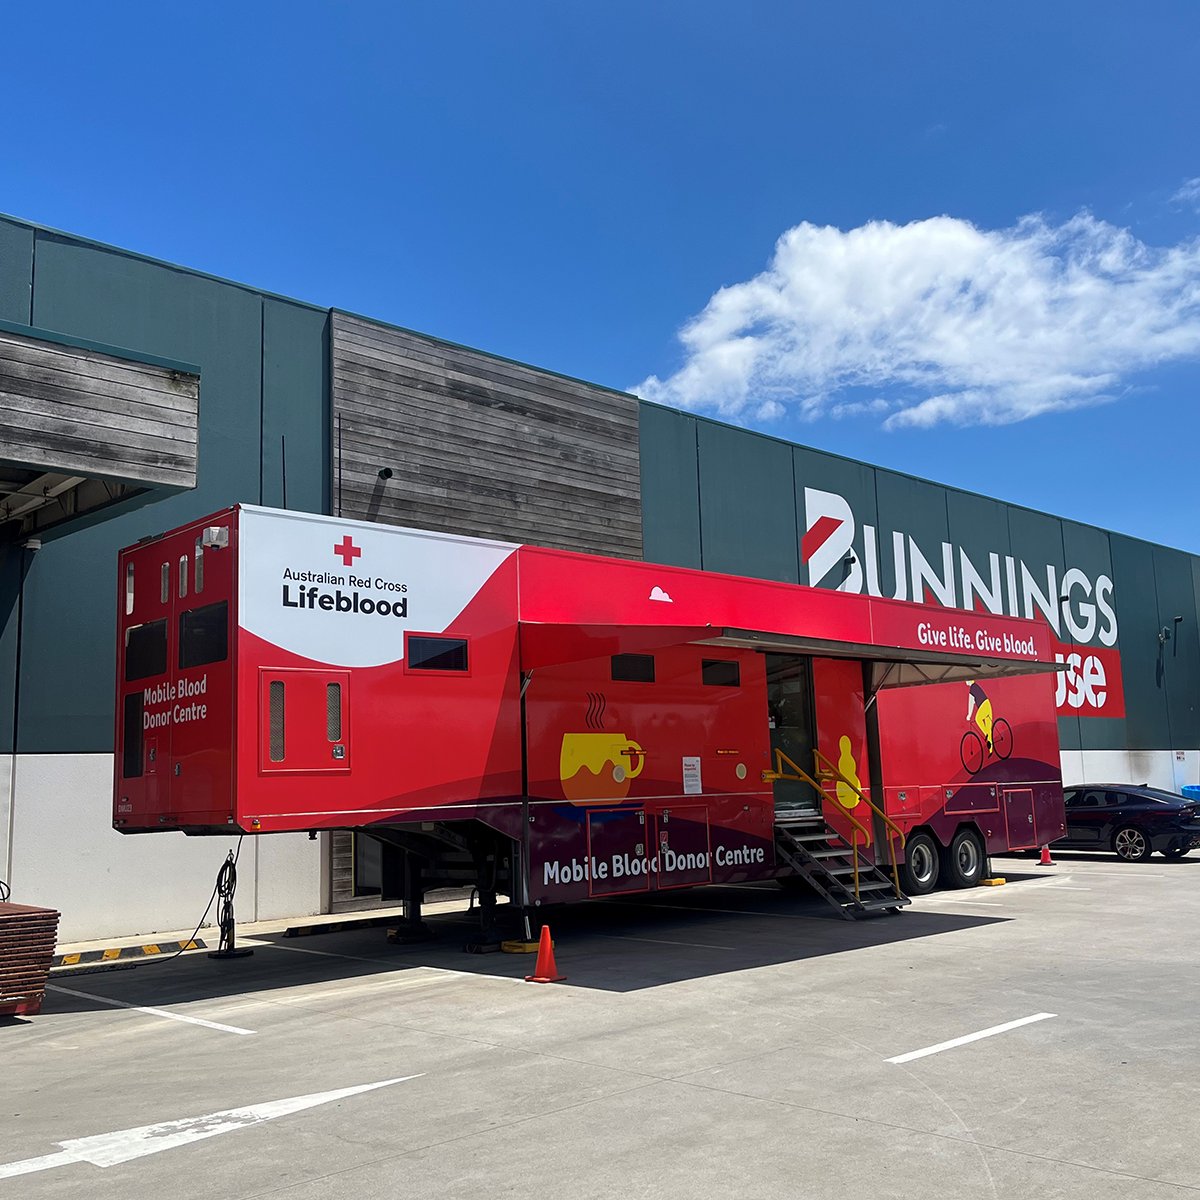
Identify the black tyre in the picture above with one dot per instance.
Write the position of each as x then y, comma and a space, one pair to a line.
962, 863
1175, 851
921, 866
1131, 844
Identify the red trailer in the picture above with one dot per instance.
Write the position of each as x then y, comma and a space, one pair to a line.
559, 726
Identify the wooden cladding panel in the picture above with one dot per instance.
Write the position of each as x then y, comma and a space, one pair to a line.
78, 411
480, 446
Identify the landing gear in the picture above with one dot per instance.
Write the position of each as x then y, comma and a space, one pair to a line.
919, 871
488, 939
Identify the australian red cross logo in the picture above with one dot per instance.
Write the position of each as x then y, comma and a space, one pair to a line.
348, 550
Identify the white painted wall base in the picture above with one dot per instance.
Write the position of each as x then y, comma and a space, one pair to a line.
66, 855
1155, 768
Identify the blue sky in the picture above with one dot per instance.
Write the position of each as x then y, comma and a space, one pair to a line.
987, 270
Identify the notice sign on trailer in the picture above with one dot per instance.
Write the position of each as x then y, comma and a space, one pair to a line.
691, 777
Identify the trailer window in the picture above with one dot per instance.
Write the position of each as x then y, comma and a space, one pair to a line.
633, 668
275, 700
145, 650
437, 654
128, 588
165, 587
198, 570
721, 672
132, 756
183, 569
204, 635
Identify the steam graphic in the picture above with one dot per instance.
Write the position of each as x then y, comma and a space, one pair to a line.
595, 710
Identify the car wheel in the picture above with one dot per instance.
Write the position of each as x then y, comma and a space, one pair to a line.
919, 871
1131, 844
1175, 851
963, 862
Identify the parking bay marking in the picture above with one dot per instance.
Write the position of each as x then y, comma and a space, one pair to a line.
110, 1149
625, 937
153, 1012
970, 1037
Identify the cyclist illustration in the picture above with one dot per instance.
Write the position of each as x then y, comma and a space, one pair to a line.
997, 737
980, 704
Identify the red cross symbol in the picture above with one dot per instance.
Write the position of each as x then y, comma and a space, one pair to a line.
348, 550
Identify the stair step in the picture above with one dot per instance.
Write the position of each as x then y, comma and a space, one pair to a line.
878, 906
825, 853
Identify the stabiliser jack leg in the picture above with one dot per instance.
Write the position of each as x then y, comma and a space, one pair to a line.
226, 886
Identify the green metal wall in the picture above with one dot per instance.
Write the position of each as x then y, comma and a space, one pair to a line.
718, 497
263, 379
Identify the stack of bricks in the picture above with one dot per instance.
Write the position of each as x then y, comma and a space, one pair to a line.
27, 937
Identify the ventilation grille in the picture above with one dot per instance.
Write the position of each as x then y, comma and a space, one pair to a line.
333, 711
276, 719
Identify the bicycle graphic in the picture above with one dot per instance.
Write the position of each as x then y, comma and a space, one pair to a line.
973, 751
995, 734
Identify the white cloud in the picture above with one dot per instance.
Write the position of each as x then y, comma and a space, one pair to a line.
1188, 193
949, 322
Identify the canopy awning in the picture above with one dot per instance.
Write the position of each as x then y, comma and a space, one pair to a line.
551, 643
574, 607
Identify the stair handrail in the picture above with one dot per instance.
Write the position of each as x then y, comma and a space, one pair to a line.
893, 830
801, 775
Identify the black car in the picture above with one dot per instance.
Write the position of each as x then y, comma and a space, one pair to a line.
1130, 820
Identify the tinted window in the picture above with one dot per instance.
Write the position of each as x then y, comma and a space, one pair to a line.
1071, 799
633, 668
1092, 800
437, 654
146, 650
204, 635
131, 765
721, 672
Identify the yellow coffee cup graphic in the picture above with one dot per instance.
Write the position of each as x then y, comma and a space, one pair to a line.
599, 766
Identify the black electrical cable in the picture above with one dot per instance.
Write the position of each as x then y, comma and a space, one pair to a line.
224, 886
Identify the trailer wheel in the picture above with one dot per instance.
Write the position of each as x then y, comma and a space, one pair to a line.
964, 860
919, 871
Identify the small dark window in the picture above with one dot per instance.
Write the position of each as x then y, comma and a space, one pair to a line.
145, 650
721, 672
204, 635
131, 765
633, 668
437, 654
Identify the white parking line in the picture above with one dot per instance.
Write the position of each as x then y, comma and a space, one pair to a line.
625, 937
153, 1012
970, 1037
1117, 874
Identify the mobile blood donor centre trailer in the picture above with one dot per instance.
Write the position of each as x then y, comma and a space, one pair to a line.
557, 726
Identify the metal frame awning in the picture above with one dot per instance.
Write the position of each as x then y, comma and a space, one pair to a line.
547, 643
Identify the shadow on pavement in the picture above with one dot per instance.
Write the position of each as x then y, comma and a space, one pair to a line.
610, 945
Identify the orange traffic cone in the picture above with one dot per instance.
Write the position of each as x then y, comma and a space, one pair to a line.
1047, 861
545, 970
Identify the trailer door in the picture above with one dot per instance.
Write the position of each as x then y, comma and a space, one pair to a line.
304, 720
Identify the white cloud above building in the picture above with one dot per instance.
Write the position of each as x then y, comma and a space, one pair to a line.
939, 321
